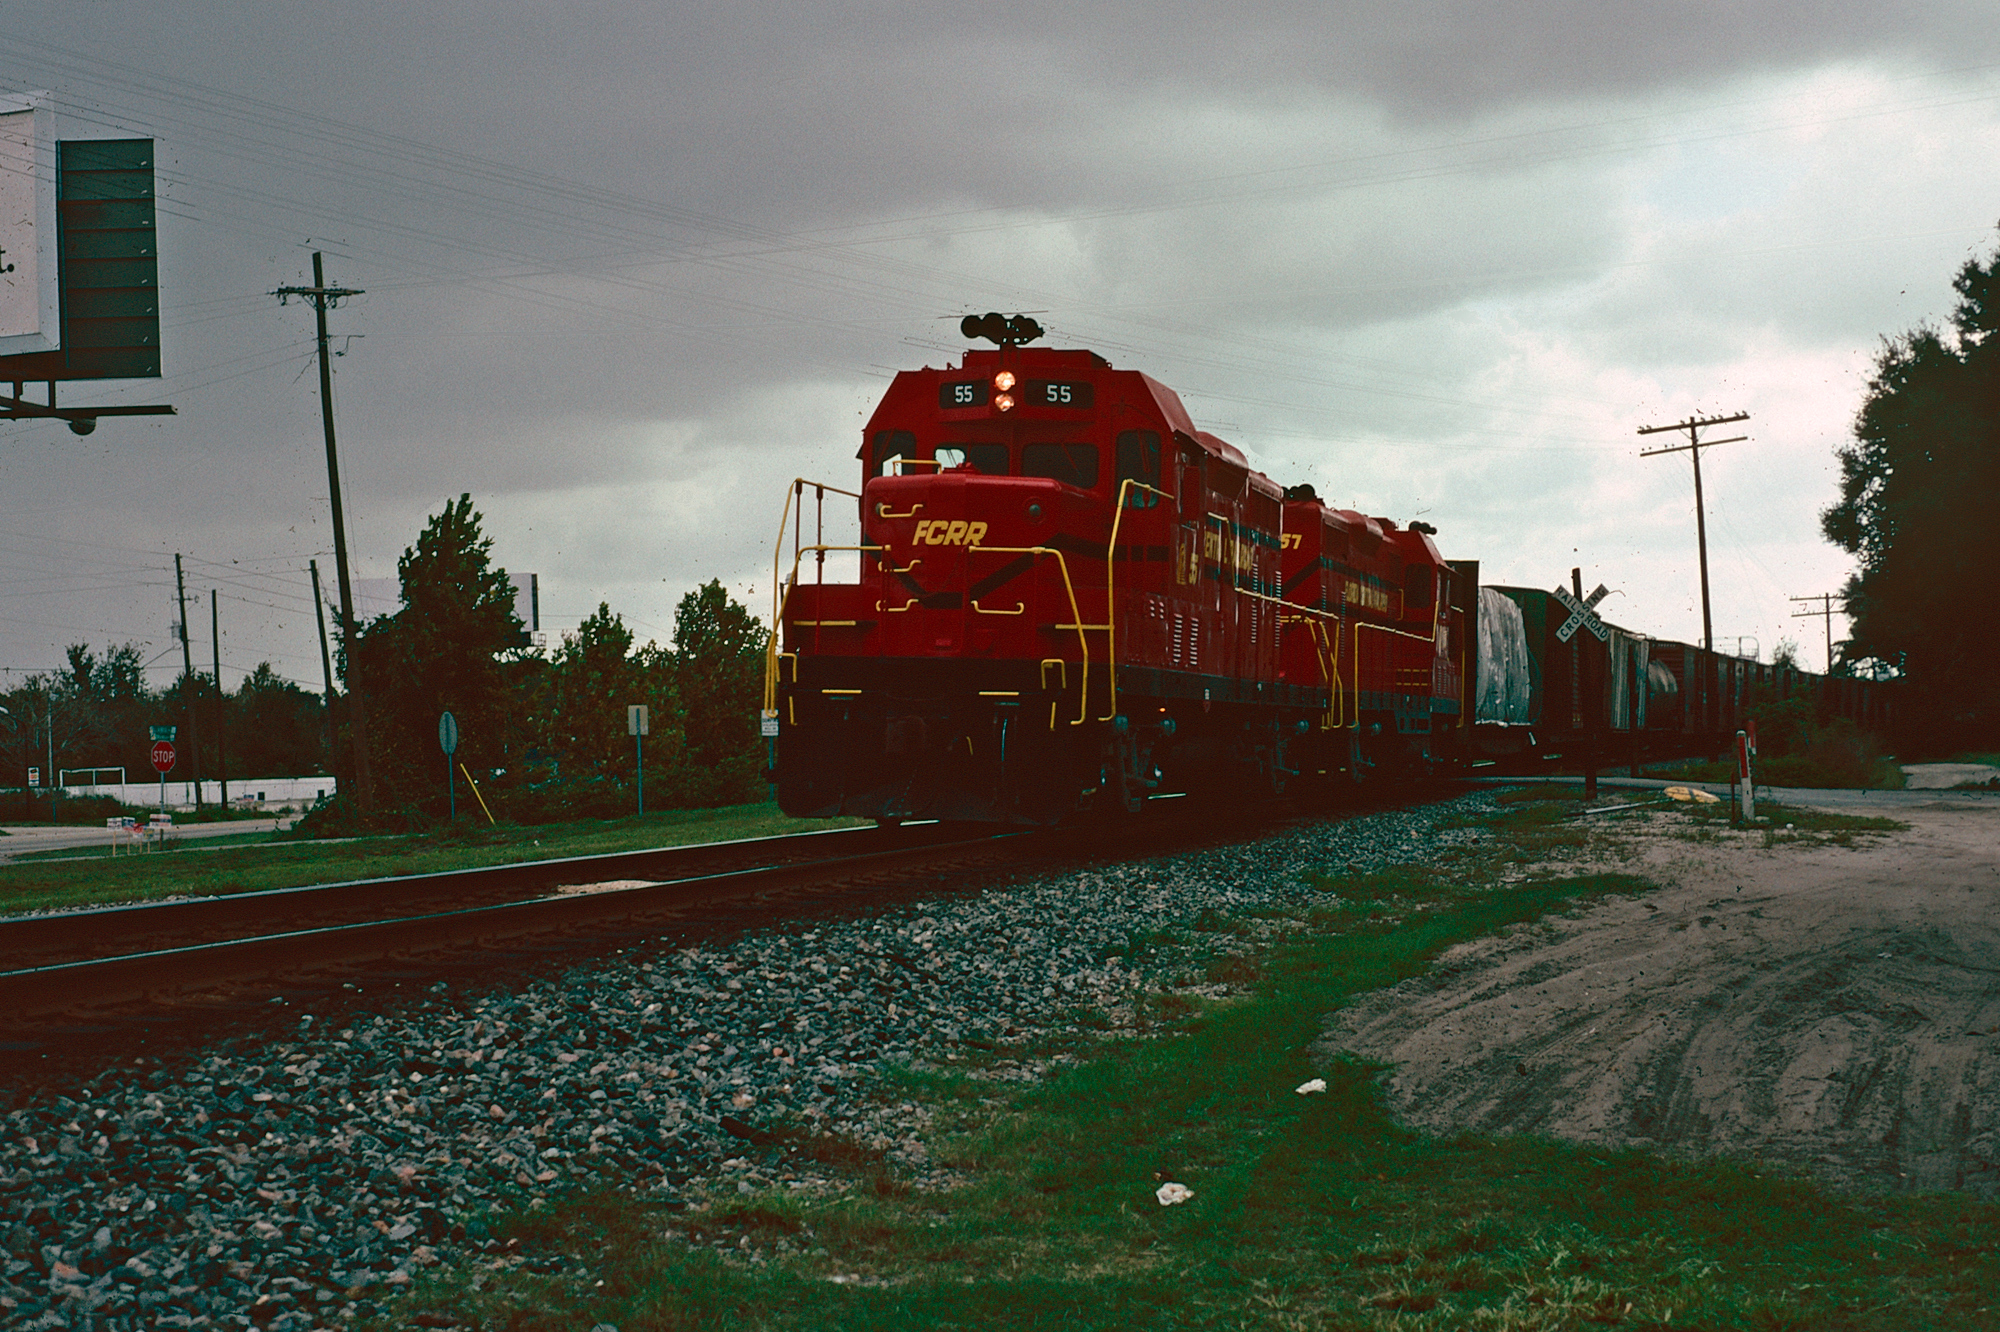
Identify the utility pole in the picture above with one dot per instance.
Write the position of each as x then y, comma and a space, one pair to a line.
325, 657
1825, 600
221, 703
322, 297
1701, 521
1693, 426
187, 685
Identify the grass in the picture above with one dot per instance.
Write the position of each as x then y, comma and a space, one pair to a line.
1787, 825
251, 862
1308, 1212
1790, 771
1542, 818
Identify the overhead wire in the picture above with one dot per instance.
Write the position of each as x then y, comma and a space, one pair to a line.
253, 131
569, 191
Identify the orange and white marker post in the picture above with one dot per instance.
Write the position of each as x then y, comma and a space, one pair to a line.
1746, 749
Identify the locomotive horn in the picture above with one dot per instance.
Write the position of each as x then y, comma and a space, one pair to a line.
1005, 330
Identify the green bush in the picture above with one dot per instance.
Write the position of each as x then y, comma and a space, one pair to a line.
1797, 748
338, 816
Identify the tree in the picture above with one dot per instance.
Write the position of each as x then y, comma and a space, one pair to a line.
719, 670
446, 650
102, 708
1920, 485
276, 728
583, 760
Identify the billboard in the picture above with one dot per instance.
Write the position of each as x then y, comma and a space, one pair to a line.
30, 310
96, 265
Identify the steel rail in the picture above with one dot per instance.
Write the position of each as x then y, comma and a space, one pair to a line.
67, 936
31, 996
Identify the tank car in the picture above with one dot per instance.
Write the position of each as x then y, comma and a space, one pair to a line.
1050, 593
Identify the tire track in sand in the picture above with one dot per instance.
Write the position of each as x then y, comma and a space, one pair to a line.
1834, 1008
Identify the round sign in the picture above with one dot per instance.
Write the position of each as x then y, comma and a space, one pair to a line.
448, 734
163, 756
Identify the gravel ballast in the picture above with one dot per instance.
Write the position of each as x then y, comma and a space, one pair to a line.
299, 1178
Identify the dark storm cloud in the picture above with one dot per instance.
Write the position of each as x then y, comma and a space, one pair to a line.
790, 114
631, 267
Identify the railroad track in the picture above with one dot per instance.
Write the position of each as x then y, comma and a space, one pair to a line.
101, 977
98, 971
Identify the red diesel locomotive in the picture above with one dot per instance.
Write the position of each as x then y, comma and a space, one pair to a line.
1062, 596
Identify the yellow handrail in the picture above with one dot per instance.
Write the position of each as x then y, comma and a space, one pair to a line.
1327, 651
1359, 625
1326, 646
780, 588
1076, 618
1125, 488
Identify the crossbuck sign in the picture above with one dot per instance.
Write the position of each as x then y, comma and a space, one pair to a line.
1581, 614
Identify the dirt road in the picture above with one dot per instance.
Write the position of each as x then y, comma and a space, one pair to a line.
1833, 1007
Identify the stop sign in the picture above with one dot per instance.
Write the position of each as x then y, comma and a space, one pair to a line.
163, 756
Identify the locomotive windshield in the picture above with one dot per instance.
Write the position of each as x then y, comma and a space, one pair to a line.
988, 459
1071, 464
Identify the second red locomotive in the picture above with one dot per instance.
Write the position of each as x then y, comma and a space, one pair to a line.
1063, 596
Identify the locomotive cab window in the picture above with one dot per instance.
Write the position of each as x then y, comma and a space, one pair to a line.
889, 446
986, 459
1071, 464
1419, 582
1139, 460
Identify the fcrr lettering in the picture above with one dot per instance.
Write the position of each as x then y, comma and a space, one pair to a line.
949, 532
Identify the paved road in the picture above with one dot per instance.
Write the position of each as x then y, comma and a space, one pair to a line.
23, 838
1943, 776
1858, 802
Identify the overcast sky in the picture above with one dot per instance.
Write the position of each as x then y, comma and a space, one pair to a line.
630, 268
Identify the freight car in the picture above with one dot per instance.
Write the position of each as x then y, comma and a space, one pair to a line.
1628, 697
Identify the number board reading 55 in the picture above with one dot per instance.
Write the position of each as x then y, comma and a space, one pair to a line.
1056, 393
958, 394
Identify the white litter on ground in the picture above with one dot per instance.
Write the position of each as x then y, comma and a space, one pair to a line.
1308, 1088
1172, 1194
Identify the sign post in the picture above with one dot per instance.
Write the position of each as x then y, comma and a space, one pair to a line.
768, 725
163, 759
448, 742
636, 726
1583, 615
